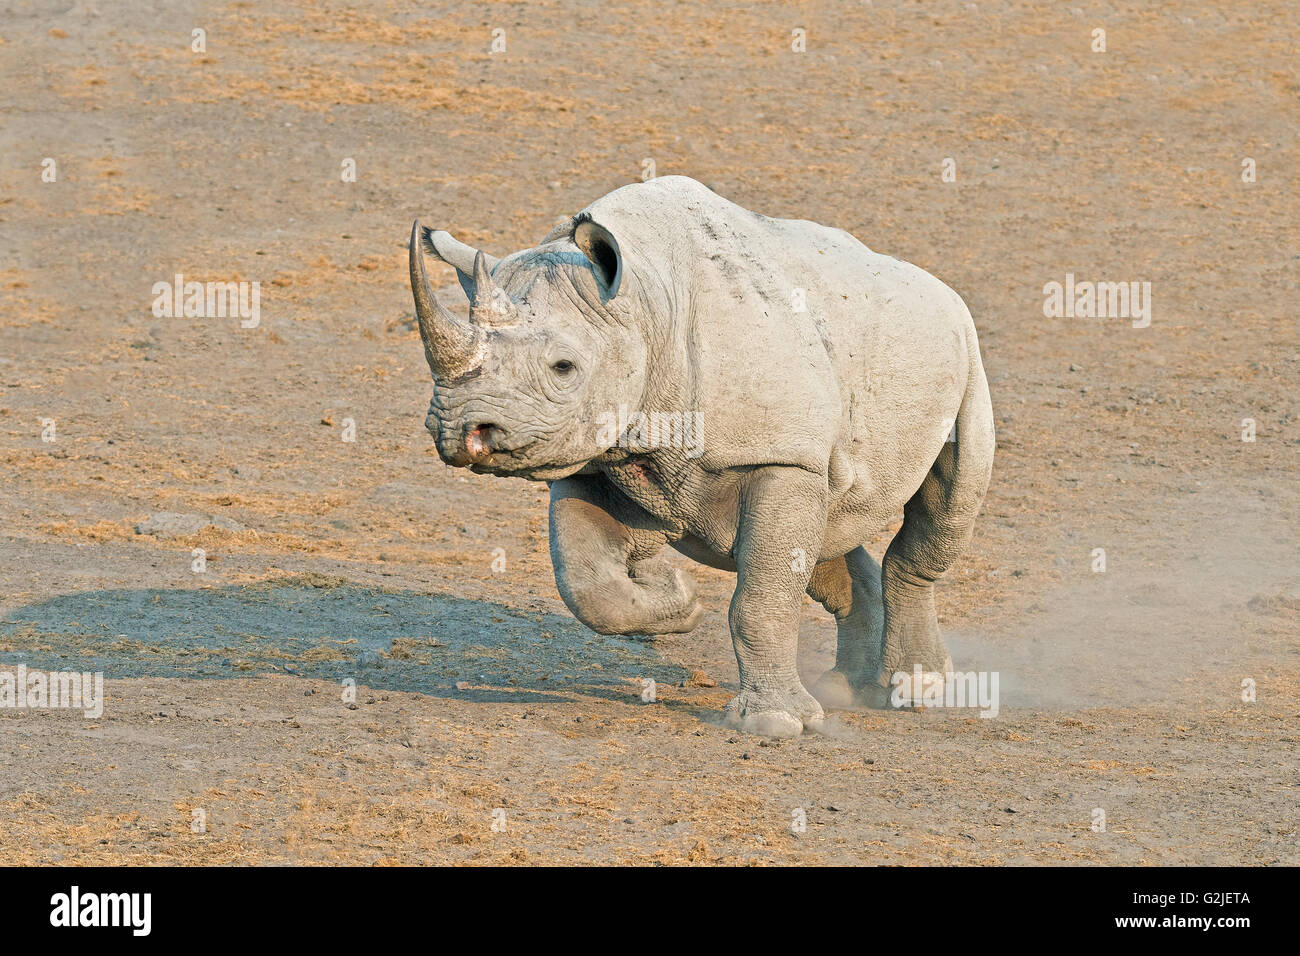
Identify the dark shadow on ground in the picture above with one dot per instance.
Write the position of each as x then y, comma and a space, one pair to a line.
328, 628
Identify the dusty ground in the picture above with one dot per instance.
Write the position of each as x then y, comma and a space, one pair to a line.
372, 561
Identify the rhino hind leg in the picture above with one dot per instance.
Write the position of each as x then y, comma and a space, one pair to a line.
603, 551
938, 521
849, 587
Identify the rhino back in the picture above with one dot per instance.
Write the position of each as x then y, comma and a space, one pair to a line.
798, 344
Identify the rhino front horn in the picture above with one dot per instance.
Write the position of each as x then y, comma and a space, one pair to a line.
451, 346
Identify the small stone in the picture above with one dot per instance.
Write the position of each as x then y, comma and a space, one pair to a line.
701, 679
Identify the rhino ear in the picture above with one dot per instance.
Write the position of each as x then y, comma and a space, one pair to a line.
442, 246
601, 248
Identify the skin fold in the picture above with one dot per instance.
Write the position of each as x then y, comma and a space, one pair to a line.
760, 394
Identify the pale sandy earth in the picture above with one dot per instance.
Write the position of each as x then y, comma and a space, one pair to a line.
370, 560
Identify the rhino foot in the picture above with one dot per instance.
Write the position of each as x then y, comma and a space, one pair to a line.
909, 690
833, 691
774, 714
839, 691
673, 597
880, 689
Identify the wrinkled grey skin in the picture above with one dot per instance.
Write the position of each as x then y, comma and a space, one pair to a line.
833, 385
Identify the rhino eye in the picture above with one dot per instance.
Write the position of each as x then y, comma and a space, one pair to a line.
563, 367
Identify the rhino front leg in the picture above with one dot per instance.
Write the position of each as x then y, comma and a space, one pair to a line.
603, 551
779, 536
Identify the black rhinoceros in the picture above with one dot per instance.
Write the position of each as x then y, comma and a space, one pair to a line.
826, 387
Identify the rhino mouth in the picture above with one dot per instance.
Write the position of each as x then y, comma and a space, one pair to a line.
541, 472
474, 455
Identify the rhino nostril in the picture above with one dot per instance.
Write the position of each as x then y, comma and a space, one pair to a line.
480, 438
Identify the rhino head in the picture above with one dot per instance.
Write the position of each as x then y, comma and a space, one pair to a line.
547, 351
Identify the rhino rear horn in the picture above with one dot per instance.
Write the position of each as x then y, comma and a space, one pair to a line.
491, 305
442, 245
451, 346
